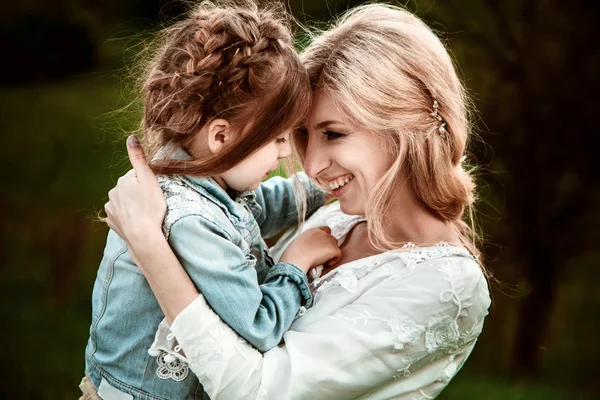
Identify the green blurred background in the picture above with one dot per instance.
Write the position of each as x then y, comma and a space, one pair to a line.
532, 68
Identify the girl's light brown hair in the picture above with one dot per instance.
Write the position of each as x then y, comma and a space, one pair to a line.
233, 61
384, 68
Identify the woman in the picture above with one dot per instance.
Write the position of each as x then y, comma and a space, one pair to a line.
400, 313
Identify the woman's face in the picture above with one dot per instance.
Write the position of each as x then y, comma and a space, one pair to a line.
343, 158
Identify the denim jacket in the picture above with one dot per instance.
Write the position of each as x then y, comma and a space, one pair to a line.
219, 241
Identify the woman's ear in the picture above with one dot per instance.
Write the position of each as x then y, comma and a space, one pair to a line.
219, 135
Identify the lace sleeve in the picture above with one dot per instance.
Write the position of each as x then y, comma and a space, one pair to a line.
405, 337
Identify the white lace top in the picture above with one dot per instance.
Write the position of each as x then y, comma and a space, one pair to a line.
394, 325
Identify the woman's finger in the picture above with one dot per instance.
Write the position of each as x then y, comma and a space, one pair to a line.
108, 212
138, 159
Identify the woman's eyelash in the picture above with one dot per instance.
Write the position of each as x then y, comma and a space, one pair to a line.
281, 140
333, 135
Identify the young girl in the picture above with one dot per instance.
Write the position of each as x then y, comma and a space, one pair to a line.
221, 96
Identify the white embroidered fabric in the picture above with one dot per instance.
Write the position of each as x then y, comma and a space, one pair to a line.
395, 325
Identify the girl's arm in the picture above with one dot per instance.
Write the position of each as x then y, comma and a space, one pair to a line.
275, 207
215, 265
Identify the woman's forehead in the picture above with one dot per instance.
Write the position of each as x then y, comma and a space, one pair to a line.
323, 112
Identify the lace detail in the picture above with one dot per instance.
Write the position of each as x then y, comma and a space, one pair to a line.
421, 254
348, 277
450, 369
403, 332
341, 225
454, 293
425, 396
442, 333
170, 367
182, 201
210, 351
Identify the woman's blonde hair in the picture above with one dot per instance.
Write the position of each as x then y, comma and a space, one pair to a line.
384, 69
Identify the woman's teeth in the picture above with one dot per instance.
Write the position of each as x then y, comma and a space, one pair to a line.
339, 182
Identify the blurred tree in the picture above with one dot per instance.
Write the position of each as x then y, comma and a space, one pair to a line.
531, 65
41, 48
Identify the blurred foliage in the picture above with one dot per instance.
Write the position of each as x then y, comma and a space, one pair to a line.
531, 66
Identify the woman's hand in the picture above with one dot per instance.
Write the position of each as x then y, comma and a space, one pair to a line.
136, 206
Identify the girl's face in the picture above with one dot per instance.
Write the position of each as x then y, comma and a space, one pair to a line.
248, 174
341, 157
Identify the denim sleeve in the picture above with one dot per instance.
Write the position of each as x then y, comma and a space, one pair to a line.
227, 278
277, 204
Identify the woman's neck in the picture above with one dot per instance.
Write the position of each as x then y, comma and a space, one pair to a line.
411, 221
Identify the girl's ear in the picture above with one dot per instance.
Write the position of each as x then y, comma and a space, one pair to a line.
219, 135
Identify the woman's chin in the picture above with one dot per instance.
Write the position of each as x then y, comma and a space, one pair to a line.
351, 208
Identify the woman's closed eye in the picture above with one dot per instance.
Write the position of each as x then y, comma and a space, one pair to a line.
331, 135
281, 140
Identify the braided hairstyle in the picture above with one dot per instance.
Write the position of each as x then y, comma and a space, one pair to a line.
233, 62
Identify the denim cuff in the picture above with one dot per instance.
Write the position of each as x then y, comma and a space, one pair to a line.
295, 274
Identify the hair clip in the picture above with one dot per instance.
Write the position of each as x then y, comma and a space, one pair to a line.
442, 126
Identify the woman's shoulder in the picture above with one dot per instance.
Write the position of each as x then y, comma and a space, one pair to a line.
442, 267
444, 279
436, 267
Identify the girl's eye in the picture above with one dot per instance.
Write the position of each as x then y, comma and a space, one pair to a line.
333, 135
281, 140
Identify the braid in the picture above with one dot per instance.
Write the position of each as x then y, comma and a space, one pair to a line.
219, 63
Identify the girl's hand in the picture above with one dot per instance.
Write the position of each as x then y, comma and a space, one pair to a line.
312, 248
136, 206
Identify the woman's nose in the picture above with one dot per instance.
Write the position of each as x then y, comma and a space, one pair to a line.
315, 159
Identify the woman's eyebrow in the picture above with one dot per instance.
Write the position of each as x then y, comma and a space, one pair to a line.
326, 123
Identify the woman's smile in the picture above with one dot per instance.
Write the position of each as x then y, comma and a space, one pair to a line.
338, 185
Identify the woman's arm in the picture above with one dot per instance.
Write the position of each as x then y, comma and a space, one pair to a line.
171, 285
406, 336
